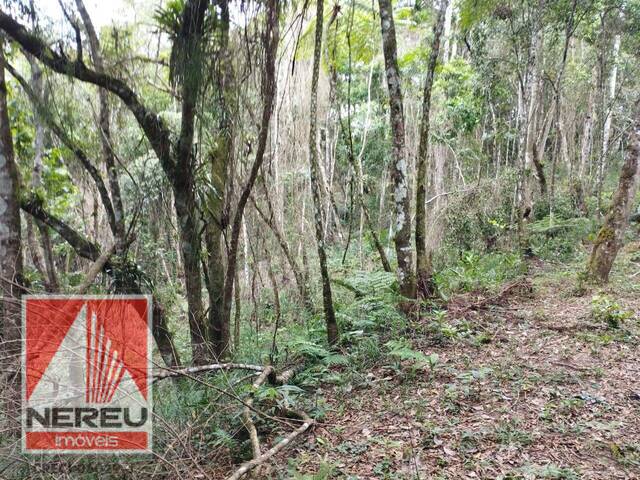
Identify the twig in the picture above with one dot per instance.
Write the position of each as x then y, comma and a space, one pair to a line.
465, 190
247, 466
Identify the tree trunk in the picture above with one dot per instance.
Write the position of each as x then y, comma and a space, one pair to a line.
108, 156
49, 272
221, 159
270, 40
526, 134
330, 319
183, 179
10, 257
188, 227
608, 113
610, 236
218, 328
580, 184
448, 19
401, 188
424, 269
298, 274
557, 98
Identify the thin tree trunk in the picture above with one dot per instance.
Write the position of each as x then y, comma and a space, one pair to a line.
580, 184
557, 98
298, 274
367, 124
11, 279
609, 239
50, 275
104, 121
271, 38
448, 18
221, 159
608, 113
238, 312
401, 191
330, 319
424, 269
526, 135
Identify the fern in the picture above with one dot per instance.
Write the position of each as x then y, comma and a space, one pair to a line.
401, 350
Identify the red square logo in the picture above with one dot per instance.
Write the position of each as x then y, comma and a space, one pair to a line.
86, 374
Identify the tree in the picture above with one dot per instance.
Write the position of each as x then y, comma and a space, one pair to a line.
609, 239
220, 158
48, 270
11, 279
327, 300
528, 104
270, 41
175, 156
400, 168
423, 258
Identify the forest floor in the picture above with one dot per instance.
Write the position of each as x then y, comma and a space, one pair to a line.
529, 386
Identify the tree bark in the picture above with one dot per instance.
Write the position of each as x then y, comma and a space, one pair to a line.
609, 239
424, 268
221, 158
401, 190
327, 300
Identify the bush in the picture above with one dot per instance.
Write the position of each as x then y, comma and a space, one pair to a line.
606, 310
560, 239
475, 271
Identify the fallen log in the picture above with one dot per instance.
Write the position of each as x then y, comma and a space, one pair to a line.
287, 440
167, 373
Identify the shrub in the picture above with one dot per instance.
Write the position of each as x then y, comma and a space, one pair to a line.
475, 271
606, 310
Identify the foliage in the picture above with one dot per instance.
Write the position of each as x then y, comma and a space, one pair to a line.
401, 350
479, 219
458, 82
608, 311
560, 239
475, 271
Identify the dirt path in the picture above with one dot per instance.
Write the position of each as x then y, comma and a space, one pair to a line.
529, 388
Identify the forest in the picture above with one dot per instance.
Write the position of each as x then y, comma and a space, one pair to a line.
382, 239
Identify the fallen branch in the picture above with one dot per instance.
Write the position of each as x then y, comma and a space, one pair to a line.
284, 377
166, 373
247, 466
246, 413
462, 304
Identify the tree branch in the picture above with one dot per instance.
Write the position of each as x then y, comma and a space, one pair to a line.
70, 144
153, 126
83, 247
